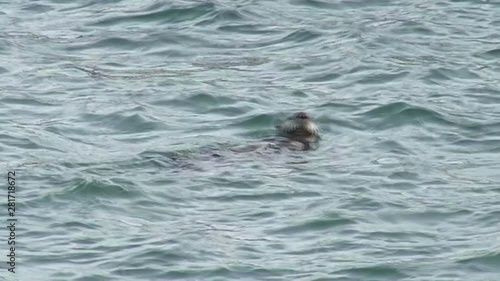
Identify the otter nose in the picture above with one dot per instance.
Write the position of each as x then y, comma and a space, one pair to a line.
302, 115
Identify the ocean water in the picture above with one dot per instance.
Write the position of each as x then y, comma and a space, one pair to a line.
120, 117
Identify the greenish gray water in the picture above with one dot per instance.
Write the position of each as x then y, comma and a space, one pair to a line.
111, 112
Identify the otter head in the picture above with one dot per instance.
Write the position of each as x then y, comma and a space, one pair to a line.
299, 128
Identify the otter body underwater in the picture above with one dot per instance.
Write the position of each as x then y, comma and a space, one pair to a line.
296, 133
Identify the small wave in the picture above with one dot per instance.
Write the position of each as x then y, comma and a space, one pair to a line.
18, 142
229, 273
108, 42
75, 225
36, 8
201, 102
439, 74
316, 4
404, 175
382, 78
92, 188
475, 145
25, 101
136, 74
255, 126
379, 272
338, 105
489, 260
301, 35
261, 197
493, 54
400, 114
226, 63
223, 16
314, 225
134, 123
253, 29
255, 121
322, 77
393, 147
297, 36
230, 111
405, 27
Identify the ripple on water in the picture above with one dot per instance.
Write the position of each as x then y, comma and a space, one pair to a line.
493, 54
486, 94
117, 43
321, 77
37, 8
254, 121
301, 35
400, 114
159, 15
394, 147
316, 4
229, 63
261, 196
15, 142
93, 189
382, 78
253, 29
206, 100
123, 122
439, 74
222, 16
377, 272
316, 225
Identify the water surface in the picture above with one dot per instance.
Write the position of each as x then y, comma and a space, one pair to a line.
112, 112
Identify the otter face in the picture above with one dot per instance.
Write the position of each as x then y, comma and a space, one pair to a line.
299, 128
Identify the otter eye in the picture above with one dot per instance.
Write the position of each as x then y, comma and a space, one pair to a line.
302, 115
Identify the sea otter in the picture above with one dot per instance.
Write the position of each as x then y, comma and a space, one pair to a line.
300, 132
296, 133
